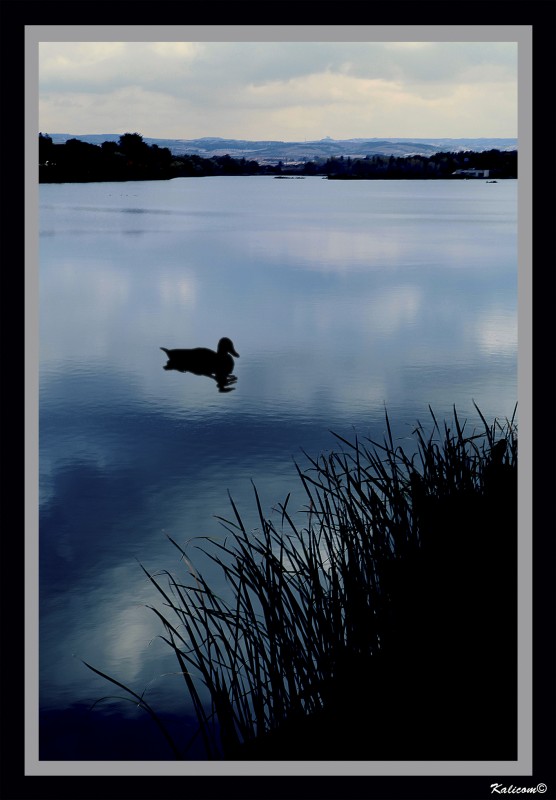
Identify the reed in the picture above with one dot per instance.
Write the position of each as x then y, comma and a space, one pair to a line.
362, 609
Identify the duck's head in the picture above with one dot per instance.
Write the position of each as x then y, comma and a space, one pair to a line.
225, 346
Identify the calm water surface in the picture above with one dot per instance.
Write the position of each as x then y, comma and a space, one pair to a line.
342, 298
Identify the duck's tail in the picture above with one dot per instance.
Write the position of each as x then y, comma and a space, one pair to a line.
166, 351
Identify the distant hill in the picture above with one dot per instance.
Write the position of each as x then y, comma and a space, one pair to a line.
266, 152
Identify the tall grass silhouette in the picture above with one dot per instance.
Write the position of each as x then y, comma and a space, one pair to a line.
382, 626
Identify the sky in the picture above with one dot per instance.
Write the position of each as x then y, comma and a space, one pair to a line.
289, 91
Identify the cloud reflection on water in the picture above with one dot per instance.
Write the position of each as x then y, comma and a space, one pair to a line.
335, 318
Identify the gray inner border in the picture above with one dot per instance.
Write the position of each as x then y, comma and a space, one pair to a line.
522, 34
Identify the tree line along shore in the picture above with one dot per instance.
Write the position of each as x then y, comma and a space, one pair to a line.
130, 158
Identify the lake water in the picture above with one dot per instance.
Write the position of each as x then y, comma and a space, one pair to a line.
343, 298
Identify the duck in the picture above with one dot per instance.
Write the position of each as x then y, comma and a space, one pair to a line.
203, 361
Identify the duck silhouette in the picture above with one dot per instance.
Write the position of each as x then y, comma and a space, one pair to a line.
217, 364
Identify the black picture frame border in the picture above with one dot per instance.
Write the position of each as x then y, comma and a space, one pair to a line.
14, 16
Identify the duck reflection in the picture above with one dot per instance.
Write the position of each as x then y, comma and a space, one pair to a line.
217, 365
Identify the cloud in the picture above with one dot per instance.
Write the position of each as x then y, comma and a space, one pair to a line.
279, 89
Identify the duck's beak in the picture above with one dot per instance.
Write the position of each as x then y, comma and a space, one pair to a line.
233, 352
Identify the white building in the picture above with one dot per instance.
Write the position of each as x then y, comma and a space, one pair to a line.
472, 173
